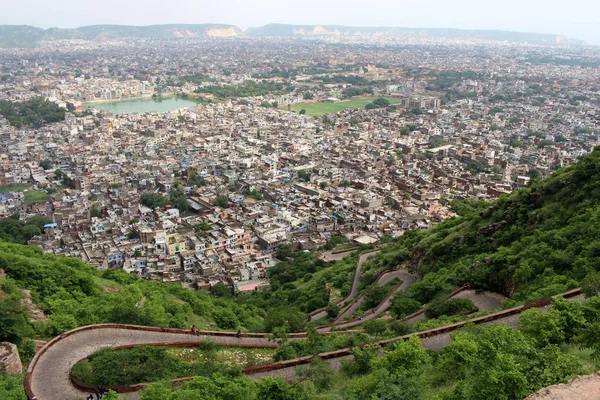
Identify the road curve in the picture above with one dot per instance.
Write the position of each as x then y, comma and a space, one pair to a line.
47, 376
354, 290
407, 279
49, 370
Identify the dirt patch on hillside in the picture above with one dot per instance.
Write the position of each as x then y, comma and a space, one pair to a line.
106, 289
34, 312
581, 388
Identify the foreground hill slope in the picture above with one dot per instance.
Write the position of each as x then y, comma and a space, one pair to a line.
536, 242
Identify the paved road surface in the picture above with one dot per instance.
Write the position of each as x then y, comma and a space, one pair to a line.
407, 279
402, 274
50, 377
331, 256
354, 291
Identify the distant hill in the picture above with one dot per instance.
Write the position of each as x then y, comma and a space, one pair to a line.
338, 30
27, 36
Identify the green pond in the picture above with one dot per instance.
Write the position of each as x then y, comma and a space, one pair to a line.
141, 105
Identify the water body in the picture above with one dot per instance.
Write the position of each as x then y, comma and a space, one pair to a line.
141, 105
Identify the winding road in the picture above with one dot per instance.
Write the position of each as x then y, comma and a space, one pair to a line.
357, 275
48, 374
407, 279
48, 378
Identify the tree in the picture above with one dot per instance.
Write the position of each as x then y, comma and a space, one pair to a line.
11, 387
220, 290
383, 385
403, 306
375, 296
375, 326
280, 316
302, 111
361, 362
204, 226
449, 307
304, 175
276, 389
591, 284
225, 318
222, 201
407, 358
46, 164
381, 102
319, 372
323, 185
178, 200
13, 320
332, 310
533, 173
153, 200
544, 327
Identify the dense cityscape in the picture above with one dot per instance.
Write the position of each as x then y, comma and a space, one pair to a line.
296, 197
205, 194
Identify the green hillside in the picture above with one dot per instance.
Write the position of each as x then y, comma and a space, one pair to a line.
536, 242
73, 294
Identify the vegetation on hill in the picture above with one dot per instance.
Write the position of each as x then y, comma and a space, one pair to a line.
73, 294
491, 362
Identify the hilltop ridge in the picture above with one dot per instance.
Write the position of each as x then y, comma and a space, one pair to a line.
285, 30
28, 36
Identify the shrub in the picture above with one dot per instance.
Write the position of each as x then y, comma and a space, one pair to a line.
449, 307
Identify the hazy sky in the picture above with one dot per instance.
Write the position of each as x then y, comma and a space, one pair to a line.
575, 18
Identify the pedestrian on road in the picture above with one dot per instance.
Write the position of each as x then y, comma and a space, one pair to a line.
239, 334
90, 397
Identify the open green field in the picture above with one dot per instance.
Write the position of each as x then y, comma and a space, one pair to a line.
14, 188
318, 109
33, 196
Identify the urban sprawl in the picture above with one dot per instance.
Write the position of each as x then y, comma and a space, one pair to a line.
206, 194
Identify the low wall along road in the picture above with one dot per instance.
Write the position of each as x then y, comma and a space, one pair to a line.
48, 374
